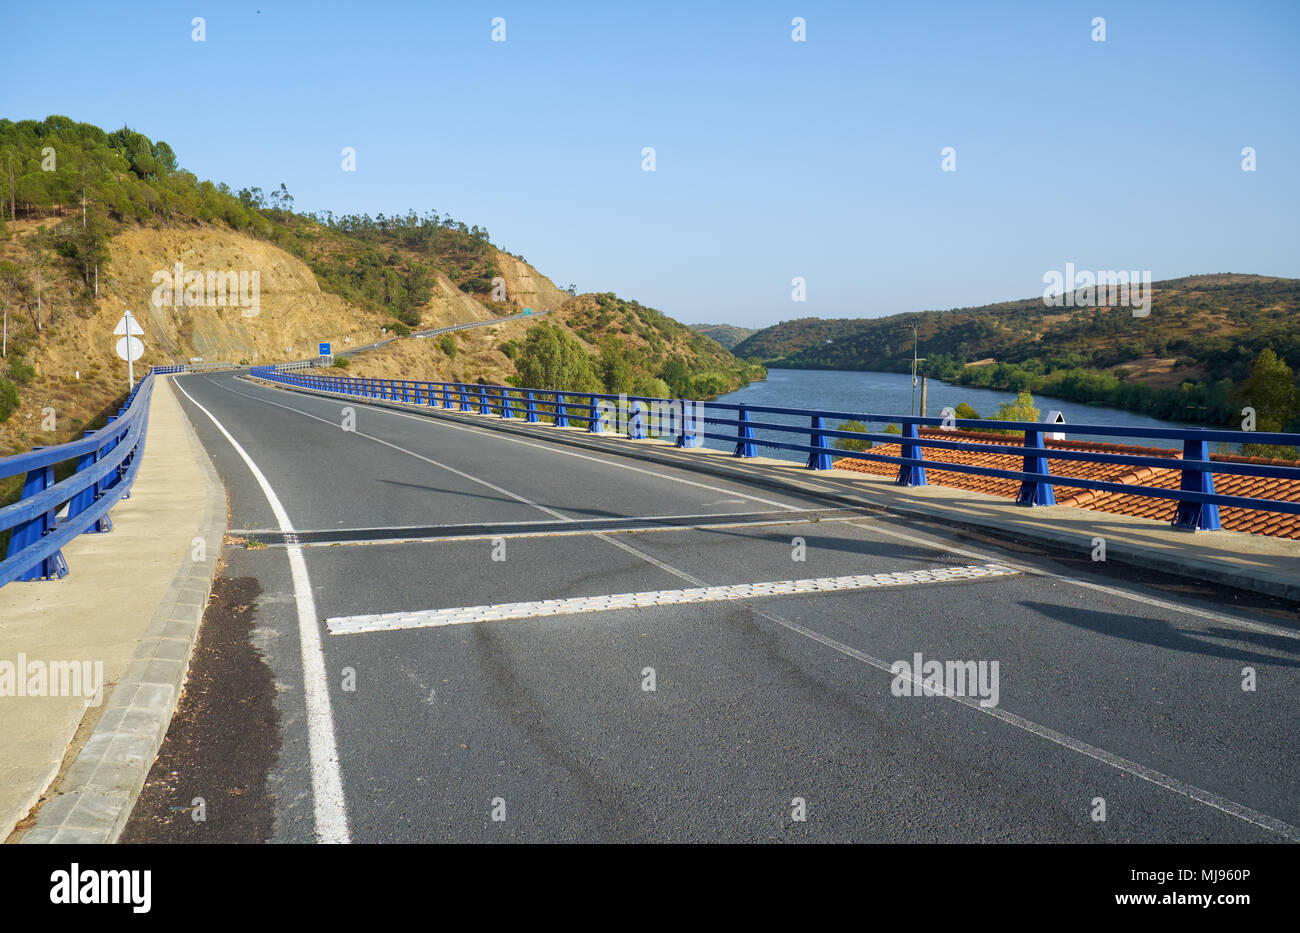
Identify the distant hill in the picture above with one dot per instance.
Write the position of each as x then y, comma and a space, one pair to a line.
1181, 361
726, 334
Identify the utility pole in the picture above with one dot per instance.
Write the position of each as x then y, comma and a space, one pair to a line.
915, 360
923, 388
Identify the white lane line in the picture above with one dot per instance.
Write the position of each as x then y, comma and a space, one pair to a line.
548, 448
430, 618
541, 521
1261, 627
326, 776
1191, 791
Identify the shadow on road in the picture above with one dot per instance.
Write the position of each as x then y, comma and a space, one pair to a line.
1163, 634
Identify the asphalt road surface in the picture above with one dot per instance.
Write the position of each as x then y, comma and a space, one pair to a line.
430, 686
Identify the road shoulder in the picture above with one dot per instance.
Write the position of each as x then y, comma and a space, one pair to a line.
133, 599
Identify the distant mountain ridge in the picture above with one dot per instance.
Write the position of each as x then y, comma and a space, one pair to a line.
726, 334
1199, 338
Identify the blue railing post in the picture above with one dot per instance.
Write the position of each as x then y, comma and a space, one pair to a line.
688, 435
530, 408
745, 435
27, 533
595, 426
636, 421
818, 460
483, 407
506, 410
1197, 516
1033, 492
561, 413
909, 475
109, 481
86, 498
464, 399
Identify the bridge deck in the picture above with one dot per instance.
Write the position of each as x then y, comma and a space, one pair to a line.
475, 684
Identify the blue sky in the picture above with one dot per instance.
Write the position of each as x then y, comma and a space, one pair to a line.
774, 158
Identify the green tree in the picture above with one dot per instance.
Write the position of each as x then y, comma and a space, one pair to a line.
448, 344
552, 358
1270, 389
966, 412
678, 377
1022, 409
615, 369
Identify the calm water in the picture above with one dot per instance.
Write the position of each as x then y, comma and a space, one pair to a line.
891, 394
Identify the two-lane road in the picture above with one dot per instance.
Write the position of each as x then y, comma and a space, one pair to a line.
430, 689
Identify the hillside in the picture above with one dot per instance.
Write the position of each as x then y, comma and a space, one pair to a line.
726, 334
93, 222
648, 343
1185, 360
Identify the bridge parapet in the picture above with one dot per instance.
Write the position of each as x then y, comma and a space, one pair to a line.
748, 427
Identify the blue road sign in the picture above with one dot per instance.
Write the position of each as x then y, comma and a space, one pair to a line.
324, 349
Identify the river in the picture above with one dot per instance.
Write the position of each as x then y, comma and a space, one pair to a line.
891, 394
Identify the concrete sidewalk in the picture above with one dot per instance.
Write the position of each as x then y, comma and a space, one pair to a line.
1257, 563
133, 600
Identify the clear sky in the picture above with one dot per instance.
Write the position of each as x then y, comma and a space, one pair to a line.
774, 158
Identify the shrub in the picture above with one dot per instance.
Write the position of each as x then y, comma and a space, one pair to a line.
848, 443
651, 387
448, 344
401, 329
8, 399
342, 362
21, 371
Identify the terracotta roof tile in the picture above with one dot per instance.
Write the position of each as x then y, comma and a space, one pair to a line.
1233, 518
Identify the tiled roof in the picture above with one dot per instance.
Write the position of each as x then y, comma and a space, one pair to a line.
1251, 521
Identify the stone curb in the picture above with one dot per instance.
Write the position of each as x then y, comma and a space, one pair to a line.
94, 798
1284, 586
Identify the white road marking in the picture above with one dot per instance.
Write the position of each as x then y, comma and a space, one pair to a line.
326, 776
1028, 569
1191, 791
430, 618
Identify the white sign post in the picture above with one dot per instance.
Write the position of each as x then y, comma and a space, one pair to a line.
129, 348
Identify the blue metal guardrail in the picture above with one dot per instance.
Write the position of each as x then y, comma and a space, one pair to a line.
107, 461
1198, 504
